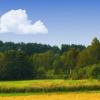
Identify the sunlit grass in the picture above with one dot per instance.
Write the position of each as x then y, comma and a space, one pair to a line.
43, 86
55, 96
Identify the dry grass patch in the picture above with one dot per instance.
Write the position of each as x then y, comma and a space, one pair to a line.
57, 96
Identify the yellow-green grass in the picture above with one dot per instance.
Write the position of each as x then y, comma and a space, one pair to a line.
45, 86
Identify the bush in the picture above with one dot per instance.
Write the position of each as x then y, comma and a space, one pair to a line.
88, 72
96, 71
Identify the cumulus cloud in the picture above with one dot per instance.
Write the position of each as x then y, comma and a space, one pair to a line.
17, 21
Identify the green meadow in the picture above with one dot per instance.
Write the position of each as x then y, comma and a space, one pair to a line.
49, 86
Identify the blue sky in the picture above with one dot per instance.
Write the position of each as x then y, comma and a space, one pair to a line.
67, 21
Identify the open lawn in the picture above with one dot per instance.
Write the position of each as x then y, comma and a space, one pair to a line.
43, 86
57, 96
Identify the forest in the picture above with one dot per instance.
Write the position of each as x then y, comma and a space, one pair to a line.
25, 61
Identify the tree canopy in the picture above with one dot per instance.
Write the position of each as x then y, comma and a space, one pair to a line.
19, 61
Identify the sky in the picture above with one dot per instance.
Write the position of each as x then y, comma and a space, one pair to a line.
53, 22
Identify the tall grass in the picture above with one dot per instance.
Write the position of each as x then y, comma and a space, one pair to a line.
43, 86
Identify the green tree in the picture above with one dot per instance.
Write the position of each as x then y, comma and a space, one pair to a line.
90, 55
69, 60
15, 66
43, 63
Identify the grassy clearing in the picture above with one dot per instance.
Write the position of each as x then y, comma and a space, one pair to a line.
45, 86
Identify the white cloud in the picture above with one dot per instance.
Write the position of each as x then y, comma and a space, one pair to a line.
16, 21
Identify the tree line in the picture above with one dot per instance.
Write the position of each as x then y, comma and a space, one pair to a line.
20, 61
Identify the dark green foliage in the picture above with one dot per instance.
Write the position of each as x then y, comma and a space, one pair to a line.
15, 66
20, 61
90, 55
69, 60
43, 63
65, 48
95, 73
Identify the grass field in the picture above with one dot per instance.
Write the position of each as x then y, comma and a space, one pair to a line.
57, 96
44, 86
